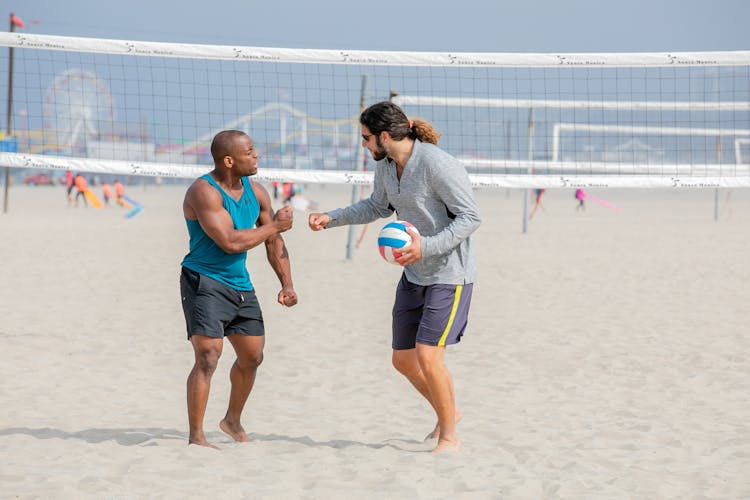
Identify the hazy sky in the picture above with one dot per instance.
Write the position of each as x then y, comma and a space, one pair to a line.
438, 25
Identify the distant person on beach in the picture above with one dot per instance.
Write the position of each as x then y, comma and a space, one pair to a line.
580, 196
119, 193
430, 189
106, 192
81, 187
288, 190
226, 215
69, 185
537, 202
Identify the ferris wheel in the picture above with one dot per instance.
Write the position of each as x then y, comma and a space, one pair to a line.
77, 106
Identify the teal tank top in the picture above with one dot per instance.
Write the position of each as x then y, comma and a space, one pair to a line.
206, 257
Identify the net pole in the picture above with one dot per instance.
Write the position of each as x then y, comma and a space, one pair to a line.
359, 159
530, 141
10, 115
507, 149
716, 191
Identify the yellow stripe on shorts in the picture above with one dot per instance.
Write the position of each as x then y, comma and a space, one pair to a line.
456, 300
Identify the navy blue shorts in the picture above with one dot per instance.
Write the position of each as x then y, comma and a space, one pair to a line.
432, 315
215, 310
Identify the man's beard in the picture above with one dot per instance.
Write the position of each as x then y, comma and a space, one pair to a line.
379, 152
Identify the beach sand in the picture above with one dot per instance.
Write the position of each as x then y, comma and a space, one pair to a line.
607, 356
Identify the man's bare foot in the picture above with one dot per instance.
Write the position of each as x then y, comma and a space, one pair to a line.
236, 432
435, 434
447, 445
202, 442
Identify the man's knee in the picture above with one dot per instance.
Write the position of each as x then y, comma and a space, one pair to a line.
207, 358
429, 360
404, 362
250, 361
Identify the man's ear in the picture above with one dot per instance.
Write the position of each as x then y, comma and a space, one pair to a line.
228, 161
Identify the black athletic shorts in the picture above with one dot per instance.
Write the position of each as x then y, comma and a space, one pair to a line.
215, 310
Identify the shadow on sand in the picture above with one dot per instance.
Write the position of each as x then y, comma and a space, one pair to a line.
146, 437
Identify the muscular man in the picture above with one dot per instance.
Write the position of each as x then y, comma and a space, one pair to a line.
227, 214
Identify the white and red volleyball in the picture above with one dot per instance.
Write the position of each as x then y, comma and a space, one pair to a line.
392, 238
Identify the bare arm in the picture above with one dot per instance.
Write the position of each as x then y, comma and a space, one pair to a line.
203, 202
276, 251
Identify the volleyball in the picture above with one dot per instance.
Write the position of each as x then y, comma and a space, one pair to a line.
392, 238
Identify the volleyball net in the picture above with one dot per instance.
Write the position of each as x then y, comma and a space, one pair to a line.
515, 120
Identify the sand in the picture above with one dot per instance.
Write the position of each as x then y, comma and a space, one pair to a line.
607, 356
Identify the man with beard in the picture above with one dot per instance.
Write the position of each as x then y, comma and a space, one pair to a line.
429, 188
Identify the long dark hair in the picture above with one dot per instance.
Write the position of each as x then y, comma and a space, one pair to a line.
387, 117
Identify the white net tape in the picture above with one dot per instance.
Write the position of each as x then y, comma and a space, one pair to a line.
515, 120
